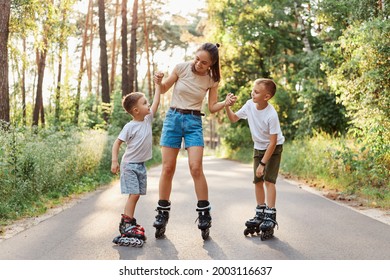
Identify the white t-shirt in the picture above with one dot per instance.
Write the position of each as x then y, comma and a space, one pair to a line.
190, 89
138, 138
262, 124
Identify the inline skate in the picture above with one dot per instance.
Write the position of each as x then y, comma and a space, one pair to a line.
268, 224
253, 225
162, 218
204, 219
131, 234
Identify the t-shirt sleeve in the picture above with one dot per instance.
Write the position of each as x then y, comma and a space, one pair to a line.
179, 69
242, 113
125, 134
274, 125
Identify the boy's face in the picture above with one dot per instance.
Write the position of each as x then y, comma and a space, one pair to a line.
259, 93
143, 106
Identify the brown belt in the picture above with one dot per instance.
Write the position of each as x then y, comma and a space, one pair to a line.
187, 111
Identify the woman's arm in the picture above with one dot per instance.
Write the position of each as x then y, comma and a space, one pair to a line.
168, 82
214, 105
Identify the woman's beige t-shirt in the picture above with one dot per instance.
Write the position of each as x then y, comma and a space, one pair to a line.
190, 89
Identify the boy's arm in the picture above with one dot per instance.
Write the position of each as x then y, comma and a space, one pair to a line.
231, 115
168, 82
114, 157
268, 153
156, 99
229, 101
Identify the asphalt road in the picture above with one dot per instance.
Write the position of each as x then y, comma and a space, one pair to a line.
311, 227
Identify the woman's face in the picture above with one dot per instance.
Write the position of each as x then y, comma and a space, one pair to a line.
202, 62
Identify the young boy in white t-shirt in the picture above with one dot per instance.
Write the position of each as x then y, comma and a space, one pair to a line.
133, 180
268, 146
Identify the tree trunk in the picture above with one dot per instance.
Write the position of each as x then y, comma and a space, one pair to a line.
146, 34
23, 84
133, 48
59, 74
91, 37
125, 64
38, 108
81, 69
5, 6
58, 91
113, 50
104, 62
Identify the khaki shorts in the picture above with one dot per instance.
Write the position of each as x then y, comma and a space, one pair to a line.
271, 169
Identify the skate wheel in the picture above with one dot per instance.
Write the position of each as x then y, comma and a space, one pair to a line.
116, 239
205, 234
247, 231
159, 232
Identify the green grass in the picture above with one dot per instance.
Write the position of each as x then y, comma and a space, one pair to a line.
44, 169
333, 164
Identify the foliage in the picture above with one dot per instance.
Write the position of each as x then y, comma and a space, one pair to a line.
338, 164
361, 79
37, 165
271, 39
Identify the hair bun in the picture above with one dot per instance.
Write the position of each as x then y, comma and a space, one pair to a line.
218, 45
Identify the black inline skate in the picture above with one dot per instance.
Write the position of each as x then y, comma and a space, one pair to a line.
162, 217
131, 234
204, 218
253, 225
269, 223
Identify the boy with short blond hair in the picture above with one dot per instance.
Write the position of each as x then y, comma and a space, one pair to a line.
268, 146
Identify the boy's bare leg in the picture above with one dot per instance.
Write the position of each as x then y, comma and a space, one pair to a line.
131, 204
259, 192
271, 194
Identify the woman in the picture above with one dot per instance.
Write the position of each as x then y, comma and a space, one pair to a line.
192, 81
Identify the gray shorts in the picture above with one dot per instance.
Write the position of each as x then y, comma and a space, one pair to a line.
133, 178
271, 170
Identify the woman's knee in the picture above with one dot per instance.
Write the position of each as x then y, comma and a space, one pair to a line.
196, 170
168, 170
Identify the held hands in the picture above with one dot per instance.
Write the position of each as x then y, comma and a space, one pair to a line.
230, 99
157, 78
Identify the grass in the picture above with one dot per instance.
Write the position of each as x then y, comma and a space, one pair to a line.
39, 170
332, 164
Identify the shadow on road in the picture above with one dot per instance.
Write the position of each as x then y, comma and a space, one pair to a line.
283, 248
214, 250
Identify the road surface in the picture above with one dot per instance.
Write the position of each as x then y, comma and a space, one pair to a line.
311, 227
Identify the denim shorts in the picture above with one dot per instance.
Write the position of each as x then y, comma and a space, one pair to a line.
133, 178
178, 126
271, 169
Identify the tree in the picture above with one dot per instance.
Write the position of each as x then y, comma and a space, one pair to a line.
113, 49
133, 49
146, 36
5, 6
81, 69
41, 54
104, 62
125, 64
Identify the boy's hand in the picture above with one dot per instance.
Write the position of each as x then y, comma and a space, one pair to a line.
115, 167
260, 171
230, 99
157, 78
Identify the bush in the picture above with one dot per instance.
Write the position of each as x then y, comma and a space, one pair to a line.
34, 166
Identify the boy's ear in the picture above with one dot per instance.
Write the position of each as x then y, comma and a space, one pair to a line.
267, 97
